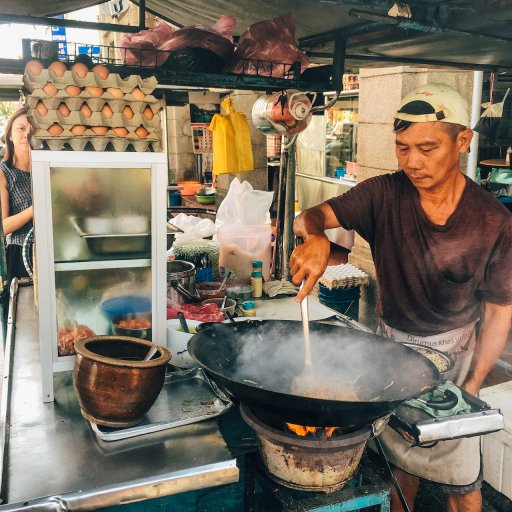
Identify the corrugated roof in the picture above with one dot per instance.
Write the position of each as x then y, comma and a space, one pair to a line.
469, 33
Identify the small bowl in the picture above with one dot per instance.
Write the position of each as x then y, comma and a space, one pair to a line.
132, 224
114, 386
205, 198
177, 341
130, 321
229, 306
211, 290
240, 293
190, 188
124, 305
99, 225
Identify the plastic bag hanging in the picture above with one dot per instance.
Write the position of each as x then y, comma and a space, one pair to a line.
489, 122
232, 149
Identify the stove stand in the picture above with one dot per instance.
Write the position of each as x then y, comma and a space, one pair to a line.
366, 489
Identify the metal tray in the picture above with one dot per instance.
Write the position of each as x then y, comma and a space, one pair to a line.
419, 428
187, 397
113, 243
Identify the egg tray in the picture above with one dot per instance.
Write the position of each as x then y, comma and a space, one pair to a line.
32, 82
95, 104
62, 94
97, 142
95, 119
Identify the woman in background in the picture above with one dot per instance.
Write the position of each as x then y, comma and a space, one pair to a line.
16, 191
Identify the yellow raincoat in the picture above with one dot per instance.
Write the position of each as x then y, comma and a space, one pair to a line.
232, 149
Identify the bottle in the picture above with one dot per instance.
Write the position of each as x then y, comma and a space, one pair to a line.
257, 284
248, 308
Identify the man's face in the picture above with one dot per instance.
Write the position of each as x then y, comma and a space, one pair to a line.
428, 154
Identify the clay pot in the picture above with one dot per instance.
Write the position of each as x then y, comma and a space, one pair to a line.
115, 387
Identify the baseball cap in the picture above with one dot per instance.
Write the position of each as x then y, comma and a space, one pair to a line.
434, 102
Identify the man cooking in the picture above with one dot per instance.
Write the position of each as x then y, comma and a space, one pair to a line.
442, 249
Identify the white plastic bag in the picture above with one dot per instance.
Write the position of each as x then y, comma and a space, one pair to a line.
244, 205
194, 228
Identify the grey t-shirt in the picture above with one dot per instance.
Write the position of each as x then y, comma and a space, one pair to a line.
431, 278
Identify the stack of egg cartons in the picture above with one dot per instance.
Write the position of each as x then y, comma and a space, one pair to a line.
76, 107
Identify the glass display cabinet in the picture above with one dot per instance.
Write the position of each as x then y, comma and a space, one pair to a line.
100, 239
341, 132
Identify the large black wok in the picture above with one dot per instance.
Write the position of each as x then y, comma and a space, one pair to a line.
256, 363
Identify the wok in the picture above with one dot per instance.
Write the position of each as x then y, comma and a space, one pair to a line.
256, 363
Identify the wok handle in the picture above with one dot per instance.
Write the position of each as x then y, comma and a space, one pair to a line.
183, 291
449, 401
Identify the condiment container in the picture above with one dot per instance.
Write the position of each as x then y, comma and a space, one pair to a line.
257, 284
248, 308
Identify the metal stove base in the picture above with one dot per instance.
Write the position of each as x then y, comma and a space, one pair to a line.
366, 489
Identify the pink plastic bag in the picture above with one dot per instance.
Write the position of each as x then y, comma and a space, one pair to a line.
141, 49
218, 39
151, 47
268, 48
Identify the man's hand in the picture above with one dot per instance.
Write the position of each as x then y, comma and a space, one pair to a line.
492, 337
308, 261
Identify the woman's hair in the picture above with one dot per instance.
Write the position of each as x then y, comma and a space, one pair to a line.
9, 146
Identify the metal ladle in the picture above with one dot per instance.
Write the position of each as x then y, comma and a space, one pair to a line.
152, 351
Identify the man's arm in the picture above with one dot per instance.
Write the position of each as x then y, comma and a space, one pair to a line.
308, 261
492, 337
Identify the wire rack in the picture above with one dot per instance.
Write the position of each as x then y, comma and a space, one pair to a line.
151, 59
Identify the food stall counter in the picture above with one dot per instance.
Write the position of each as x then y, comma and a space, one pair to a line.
53, 461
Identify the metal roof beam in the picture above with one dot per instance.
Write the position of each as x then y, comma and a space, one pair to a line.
59, 22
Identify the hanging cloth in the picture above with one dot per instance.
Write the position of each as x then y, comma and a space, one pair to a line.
232, 149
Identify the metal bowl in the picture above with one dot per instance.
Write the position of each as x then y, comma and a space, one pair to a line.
143, 333
442, 360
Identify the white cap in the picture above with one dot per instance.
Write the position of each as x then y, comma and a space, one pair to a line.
434, 102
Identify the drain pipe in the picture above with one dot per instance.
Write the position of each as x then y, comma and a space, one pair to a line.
478, 79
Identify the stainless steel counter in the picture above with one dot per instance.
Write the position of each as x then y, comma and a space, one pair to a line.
53, 461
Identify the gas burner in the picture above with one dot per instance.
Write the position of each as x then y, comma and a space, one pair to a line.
307, 463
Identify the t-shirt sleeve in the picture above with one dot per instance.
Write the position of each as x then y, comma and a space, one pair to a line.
356, 209
498, 273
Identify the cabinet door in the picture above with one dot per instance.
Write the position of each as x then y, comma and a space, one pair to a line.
100, 213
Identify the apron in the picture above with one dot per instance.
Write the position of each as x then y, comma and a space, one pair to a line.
451, 462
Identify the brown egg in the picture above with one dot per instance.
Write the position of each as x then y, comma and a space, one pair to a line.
78, 129
63, 109
148, 113
34, 66
58, 68
94, 91
73, 90
86, 110
41, 109
55, 129
128, 112
121, 131
99, 130
50, 89
138, 94
107, 111
80, 69
141, 132
101, 71
116, 92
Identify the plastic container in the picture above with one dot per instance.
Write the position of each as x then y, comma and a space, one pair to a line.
343, 300
248, 308
257, 284
190, 188
240, 245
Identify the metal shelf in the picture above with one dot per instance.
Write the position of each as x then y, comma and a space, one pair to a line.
102, 264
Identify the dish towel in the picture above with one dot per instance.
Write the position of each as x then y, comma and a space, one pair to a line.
437, 394
273, 288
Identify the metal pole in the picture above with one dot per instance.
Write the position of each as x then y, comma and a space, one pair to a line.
478, 79
279, 271
142, 14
